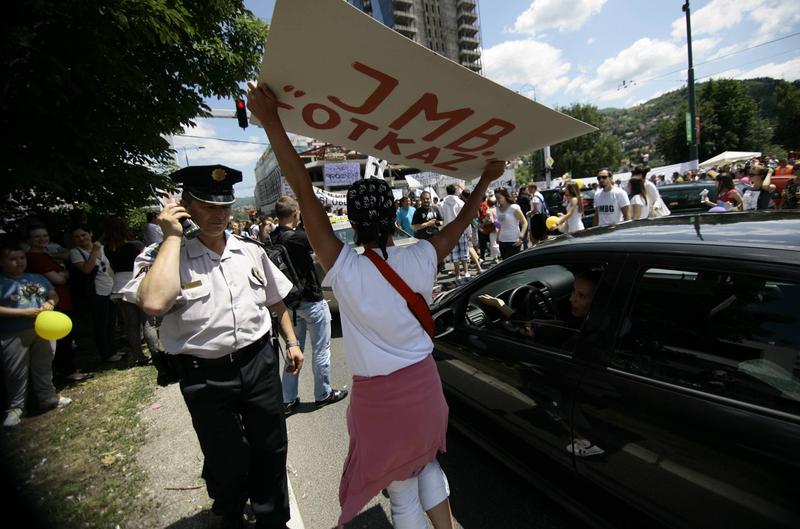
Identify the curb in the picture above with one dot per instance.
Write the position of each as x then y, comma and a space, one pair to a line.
295, 520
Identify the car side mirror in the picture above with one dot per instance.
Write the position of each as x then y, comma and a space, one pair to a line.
443, 322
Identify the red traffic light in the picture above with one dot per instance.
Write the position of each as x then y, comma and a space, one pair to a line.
241, 113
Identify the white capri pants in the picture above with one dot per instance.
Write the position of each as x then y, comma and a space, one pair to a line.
412, 497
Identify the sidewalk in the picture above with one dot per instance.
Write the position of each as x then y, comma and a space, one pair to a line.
172, 460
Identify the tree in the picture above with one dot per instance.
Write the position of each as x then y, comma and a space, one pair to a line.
787, 127
729, 119
585, 155
91, 88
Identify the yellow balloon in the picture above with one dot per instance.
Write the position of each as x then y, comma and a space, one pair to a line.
551, 222
52, 325
579, 182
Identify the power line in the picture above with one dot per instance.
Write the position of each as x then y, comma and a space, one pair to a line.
722, 57
762, 59
222, 139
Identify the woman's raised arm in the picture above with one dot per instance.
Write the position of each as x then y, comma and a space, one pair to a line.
264, 105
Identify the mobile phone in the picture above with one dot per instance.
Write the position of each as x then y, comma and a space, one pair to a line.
190, 229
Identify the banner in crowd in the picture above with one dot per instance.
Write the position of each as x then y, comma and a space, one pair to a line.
371, 89
341, 174
507, 180
329, 198
668, 170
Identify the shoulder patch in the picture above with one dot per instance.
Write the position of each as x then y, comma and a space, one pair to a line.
152, 250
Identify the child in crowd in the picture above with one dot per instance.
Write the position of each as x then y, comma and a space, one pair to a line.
22, 297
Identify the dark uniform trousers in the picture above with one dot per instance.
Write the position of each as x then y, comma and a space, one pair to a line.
237, 411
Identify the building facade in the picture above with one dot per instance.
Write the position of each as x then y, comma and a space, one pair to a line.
448, 27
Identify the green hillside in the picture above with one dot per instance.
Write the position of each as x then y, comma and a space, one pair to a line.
637, 127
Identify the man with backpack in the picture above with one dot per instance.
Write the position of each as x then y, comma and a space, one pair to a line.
310, 310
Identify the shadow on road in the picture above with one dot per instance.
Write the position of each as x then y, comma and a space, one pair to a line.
484, 493
373, 518
202, 520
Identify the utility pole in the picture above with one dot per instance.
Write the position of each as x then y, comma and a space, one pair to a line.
691, 126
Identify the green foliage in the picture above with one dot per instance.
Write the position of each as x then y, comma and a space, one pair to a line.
585, 155
787, 127
729, 119
91, 89
658, 126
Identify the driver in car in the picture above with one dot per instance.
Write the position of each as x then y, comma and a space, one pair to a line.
580, 300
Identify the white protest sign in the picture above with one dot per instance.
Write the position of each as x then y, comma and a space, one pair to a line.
341, 174
375, 91
375, 167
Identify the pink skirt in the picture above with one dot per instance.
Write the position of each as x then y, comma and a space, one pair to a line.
397, 424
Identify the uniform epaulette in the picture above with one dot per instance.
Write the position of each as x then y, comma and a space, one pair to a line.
251, 241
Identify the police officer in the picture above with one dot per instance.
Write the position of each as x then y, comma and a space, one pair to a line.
218, 294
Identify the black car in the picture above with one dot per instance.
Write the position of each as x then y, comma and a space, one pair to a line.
674, 388
685, 197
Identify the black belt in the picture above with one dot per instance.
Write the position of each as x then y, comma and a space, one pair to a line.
242, 356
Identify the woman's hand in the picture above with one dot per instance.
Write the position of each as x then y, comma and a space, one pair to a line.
48, 305
491, 301
262, 103
493, 170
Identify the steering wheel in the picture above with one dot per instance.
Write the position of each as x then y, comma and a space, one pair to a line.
528, 300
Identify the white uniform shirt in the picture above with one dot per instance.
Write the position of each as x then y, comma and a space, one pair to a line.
609, 204
224, 299
104, 280
381, 335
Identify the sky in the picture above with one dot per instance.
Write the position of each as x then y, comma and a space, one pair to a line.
608, 53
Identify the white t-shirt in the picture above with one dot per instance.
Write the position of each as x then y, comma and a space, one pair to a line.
509, 224
381, 334
450, 207
651, 190
639, 200
609, 204
103, 281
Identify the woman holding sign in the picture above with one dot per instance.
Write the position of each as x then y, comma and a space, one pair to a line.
397, 416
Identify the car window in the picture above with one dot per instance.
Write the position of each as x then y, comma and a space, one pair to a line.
733, 335
544, 305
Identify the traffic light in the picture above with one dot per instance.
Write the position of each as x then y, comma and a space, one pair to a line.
241, 113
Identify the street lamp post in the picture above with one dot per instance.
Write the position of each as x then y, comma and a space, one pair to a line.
691, 127
186, 149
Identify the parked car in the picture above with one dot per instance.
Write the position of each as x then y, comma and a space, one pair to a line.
344, 232
678, 394
685, 197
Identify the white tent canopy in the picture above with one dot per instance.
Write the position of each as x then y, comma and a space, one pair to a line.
729, 157
667, 170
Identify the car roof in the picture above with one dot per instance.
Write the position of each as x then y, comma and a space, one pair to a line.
764, 229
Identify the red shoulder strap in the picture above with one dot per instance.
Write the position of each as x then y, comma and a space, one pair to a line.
416, 303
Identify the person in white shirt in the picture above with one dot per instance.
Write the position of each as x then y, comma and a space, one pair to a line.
639, 199
397, 416
572, 219
652, 196
513, 225
151, 233
611, 204
450, 207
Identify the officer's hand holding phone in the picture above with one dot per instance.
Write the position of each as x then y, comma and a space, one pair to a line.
176, 221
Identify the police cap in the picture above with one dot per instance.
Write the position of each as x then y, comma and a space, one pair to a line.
212, 184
